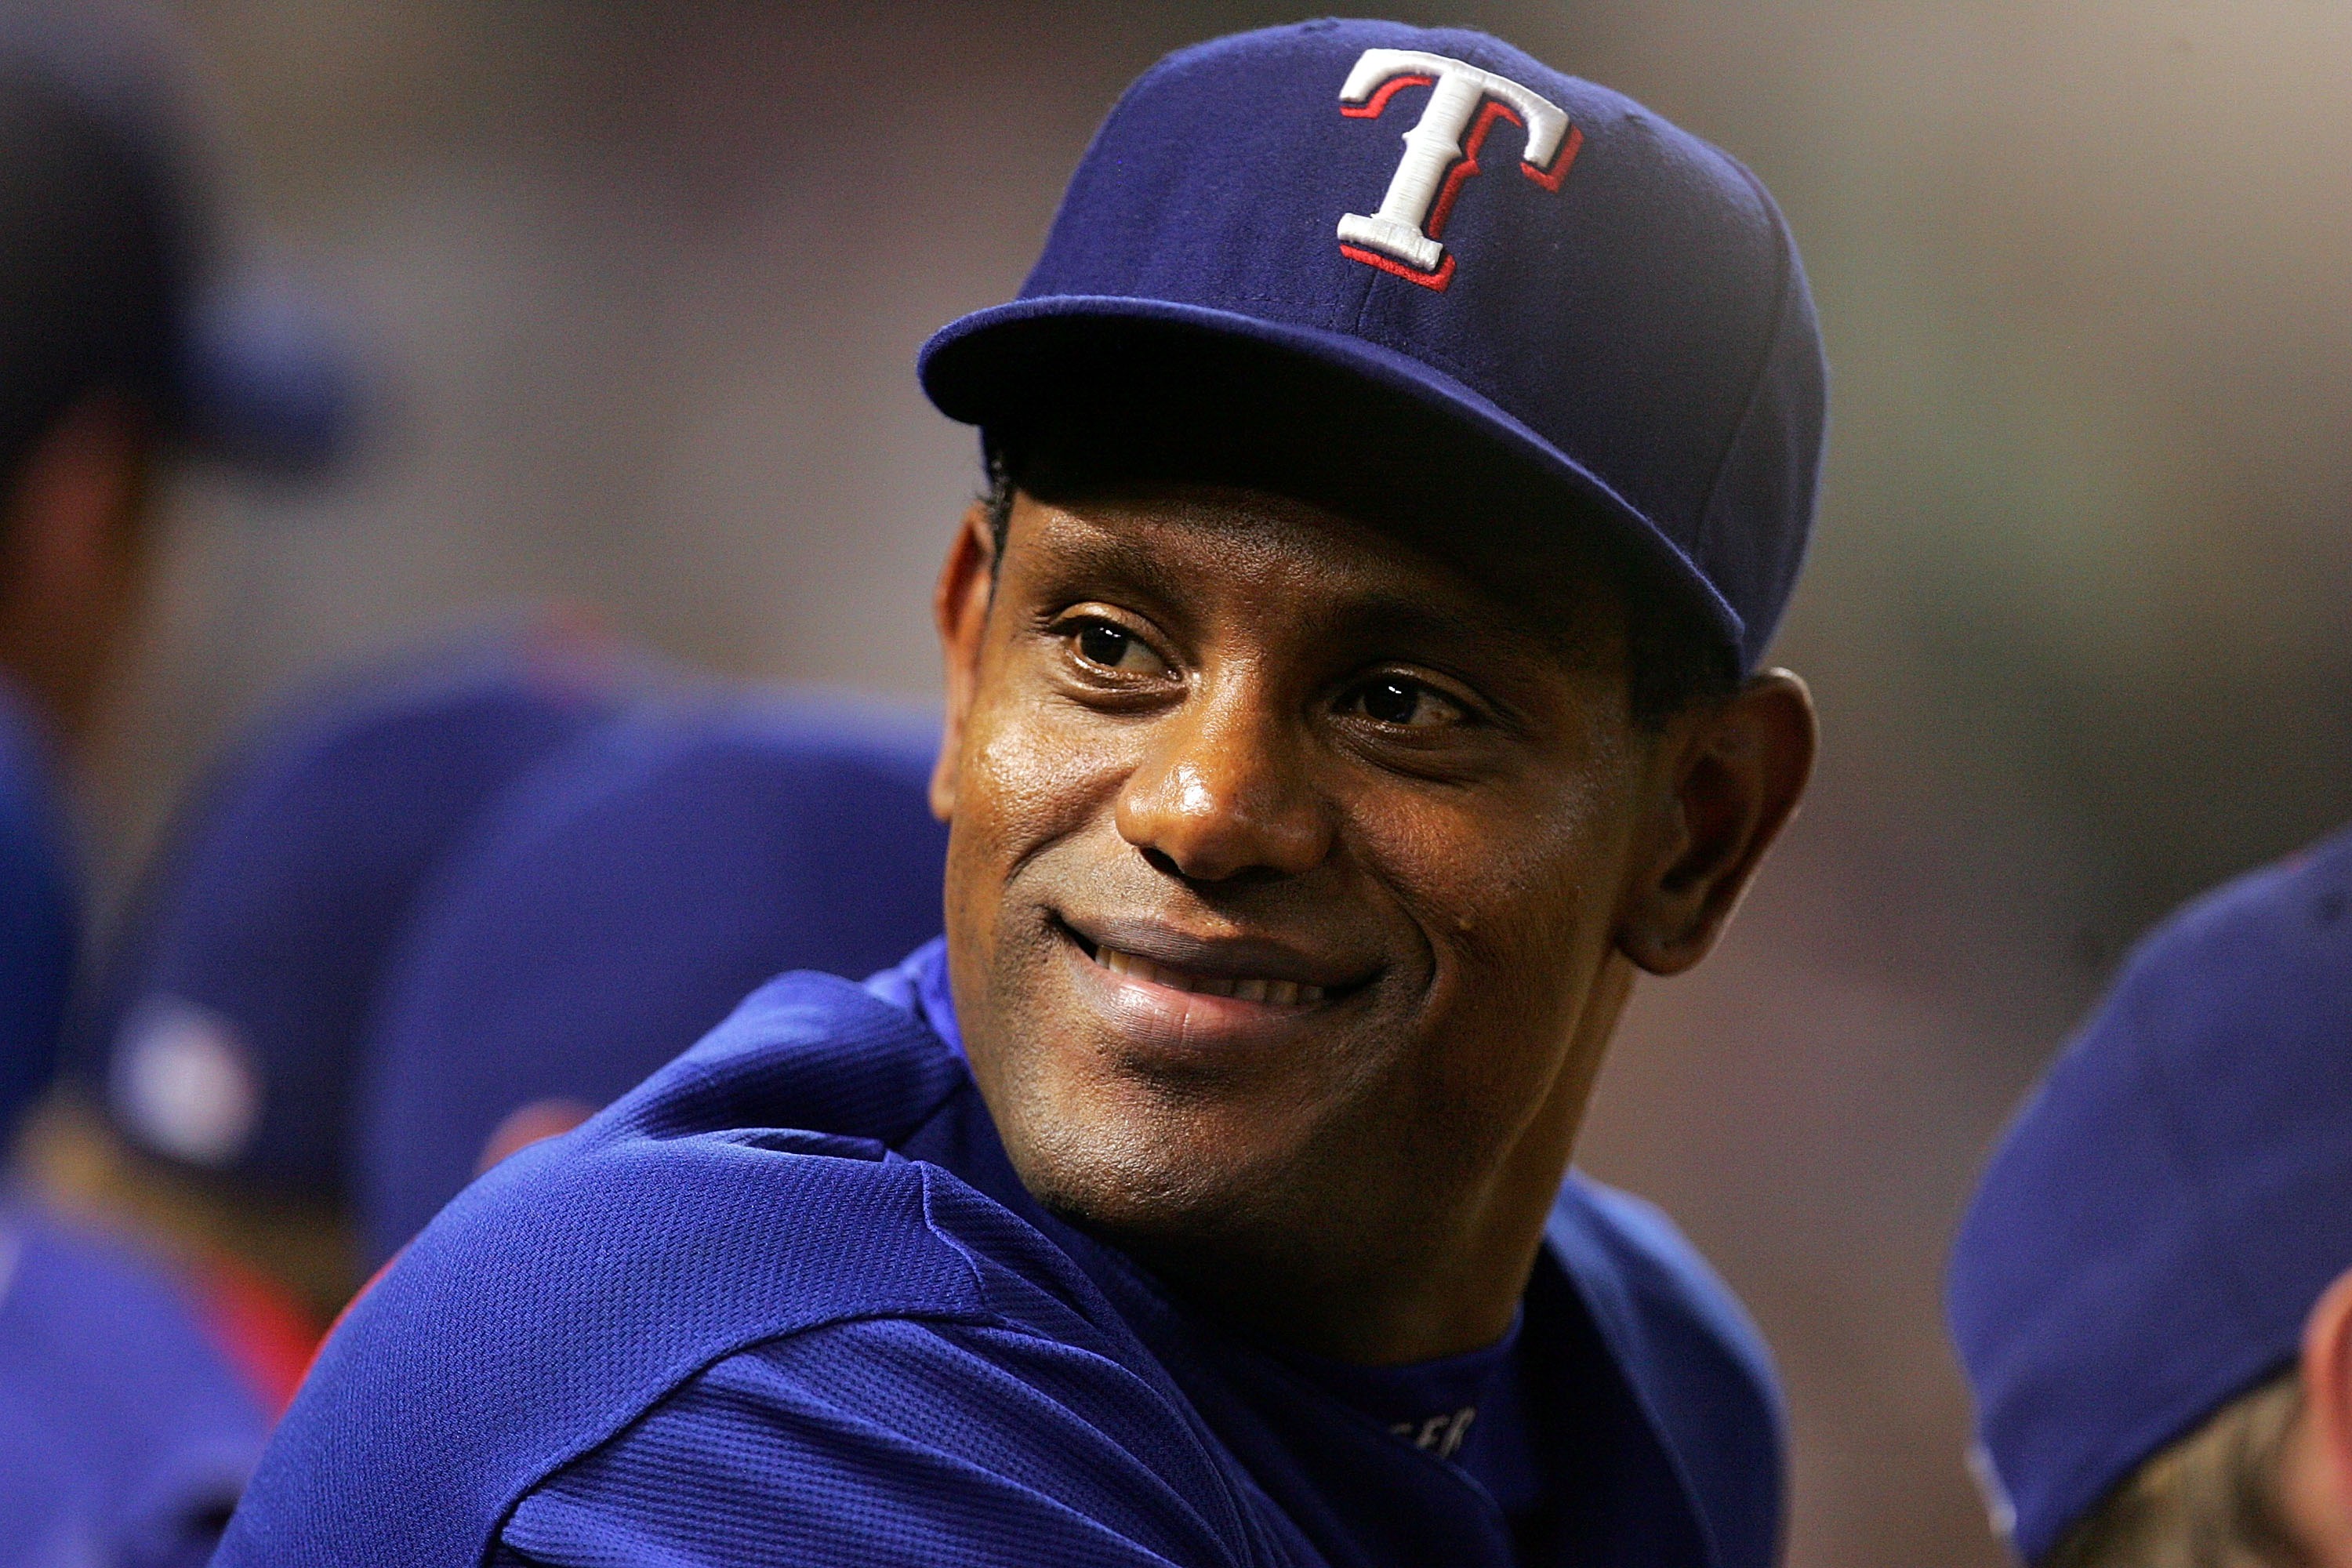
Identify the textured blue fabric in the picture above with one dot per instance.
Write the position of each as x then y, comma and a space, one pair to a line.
624, 902
2166, 1209
786, 1303
1468, 1408
38, 915
268, 919
1639, 338
125, 1433
994, 1441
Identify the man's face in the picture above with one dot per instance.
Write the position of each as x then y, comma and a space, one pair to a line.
1285, 868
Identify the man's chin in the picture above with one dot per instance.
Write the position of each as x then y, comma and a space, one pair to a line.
1141, 1183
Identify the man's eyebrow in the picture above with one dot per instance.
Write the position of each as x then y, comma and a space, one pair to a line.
1386, 618
1480, 625
1394, 615
1101, 551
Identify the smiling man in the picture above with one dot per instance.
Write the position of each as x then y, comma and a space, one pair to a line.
1398, 462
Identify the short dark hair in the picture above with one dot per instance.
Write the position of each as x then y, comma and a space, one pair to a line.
1675, 657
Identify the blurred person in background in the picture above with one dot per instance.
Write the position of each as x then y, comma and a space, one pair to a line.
124, 344
126, 1427
1399, 461
626, 900
224, 1041
2152, 1290
125, 338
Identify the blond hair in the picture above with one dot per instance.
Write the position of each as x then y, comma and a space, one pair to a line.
2209, 1501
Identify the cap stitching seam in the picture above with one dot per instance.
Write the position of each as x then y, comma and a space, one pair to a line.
1356, 326
1703, 526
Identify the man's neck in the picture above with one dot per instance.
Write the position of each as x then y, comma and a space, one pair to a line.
1439, 1273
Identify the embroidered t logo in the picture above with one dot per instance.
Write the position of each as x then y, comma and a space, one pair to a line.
1402, 236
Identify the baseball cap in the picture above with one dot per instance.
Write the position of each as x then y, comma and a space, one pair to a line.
231, 1009
113, 270
618, 906
38, 913
2158, 1221
1396, 267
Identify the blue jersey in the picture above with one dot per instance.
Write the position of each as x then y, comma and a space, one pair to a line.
787, 1303
39, 920
124, 1431
125, 1434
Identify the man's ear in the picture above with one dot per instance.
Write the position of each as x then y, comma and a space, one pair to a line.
2318, 1484
960, 606
1728, 778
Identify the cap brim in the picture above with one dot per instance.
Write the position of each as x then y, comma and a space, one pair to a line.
1370, 423
268, 383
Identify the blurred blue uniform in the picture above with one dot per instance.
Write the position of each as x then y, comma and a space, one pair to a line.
788, 1303
125, 1434
39, 915
621, 903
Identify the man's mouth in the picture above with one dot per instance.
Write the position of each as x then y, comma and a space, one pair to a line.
1239, 987
1265, 974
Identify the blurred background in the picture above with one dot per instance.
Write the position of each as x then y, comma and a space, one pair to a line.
641, 288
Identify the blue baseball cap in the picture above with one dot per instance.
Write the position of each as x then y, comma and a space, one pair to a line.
38, 913
621, 903
231, 1009
1396, 267
2156, 1225
115, 271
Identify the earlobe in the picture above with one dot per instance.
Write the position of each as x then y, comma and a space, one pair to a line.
1732, 775
960, 608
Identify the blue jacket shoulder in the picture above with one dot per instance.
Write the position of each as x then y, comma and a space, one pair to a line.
569, 1292
1695, 1361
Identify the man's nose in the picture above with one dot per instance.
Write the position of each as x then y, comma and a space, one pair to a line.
1223, 791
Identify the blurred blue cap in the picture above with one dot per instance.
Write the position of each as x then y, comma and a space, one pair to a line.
270, 381
2156, 1224
255, 370
621, 903
38, 914
1387, 268
231, 1011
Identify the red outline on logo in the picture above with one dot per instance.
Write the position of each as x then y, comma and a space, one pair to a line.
1437, 279
1550, 179
1464, 167
1370, 108
1467, 165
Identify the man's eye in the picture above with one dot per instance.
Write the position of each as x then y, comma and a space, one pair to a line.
1392, 700
1115, 648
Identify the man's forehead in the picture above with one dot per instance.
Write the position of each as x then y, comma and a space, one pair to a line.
1179, 537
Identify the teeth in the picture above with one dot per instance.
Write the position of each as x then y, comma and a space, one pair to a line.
1280, 992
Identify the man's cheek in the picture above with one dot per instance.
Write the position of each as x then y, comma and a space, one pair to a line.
1044, 775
